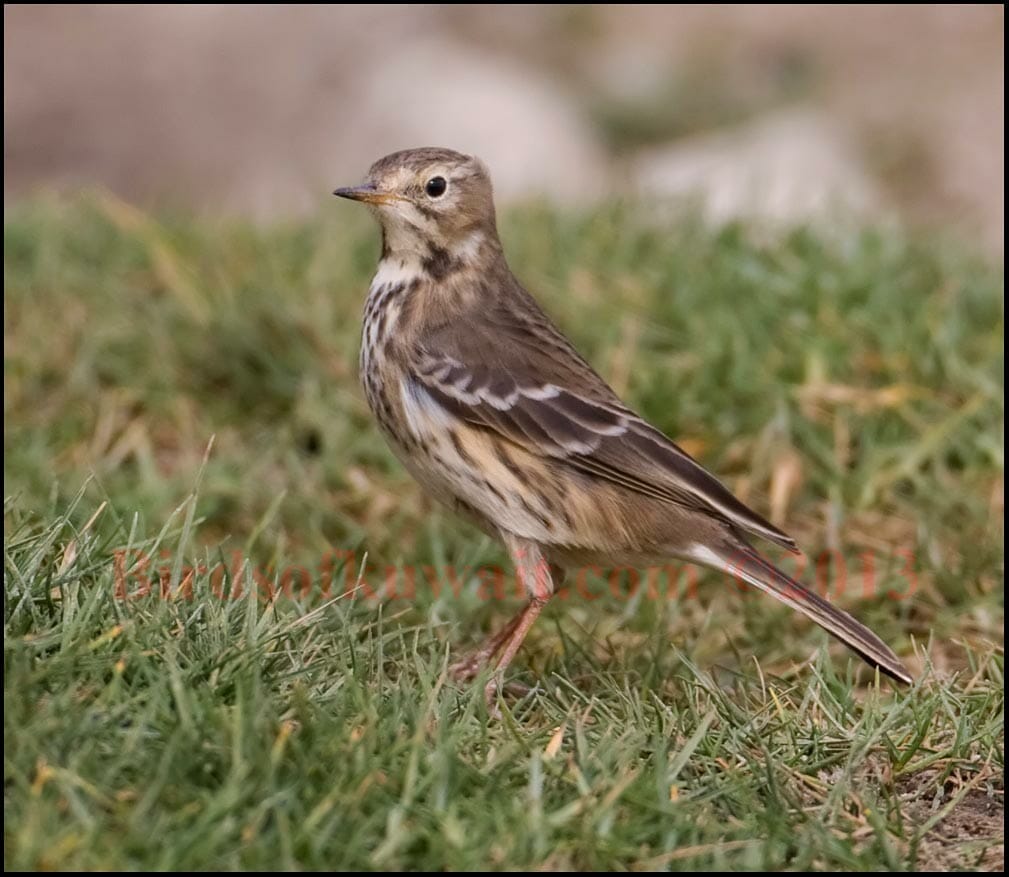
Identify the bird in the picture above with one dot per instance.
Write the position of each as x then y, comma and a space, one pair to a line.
498, 417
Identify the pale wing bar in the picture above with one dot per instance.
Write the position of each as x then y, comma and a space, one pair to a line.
601, 440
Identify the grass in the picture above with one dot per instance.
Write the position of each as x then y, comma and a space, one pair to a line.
185, 391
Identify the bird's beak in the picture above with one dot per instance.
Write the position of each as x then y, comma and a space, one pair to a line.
366, 193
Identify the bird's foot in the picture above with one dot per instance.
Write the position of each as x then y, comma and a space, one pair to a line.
494, 686
467, 668
490, 696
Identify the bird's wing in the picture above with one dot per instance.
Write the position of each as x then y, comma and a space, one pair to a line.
523, 380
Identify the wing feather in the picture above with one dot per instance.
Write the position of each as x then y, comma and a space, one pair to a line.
596, 436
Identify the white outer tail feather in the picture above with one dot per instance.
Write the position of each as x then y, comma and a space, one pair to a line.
746, 564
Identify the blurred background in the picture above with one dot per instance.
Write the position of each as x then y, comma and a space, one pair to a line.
782, 112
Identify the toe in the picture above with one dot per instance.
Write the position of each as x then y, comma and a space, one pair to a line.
490, 696
464, 671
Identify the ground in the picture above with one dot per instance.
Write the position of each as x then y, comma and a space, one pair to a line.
229, 612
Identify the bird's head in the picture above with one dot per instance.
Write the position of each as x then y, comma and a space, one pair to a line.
428, 197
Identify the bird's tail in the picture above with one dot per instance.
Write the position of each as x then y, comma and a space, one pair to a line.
745, 563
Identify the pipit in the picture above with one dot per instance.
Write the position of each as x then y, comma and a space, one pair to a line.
497, 416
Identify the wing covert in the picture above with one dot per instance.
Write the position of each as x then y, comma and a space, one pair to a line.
595, 435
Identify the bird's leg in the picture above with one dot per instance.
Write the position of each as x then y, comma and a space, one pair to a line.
469, 665
534, 571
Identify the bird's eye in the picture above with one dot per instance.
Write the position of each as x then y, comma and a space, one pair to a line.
435, 187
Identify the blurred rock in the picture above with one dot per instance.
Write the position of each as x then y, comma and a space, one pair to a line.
437, 93
920, 88
790, 167
263, 110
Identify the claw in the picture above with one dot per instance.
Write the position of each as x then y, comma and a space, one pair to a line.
465, 670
